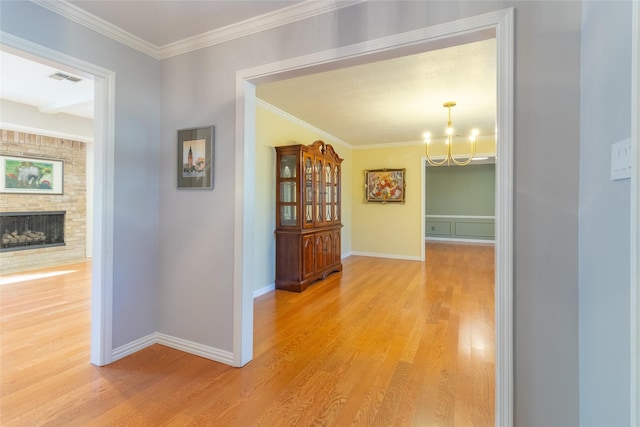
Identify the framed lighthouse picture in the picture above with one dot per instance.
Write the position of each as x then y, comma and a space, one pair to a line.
195, 158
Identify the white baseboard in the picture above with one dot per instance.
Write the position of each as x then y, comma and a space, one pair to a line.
191, 347
264, 290
456, 240
176, 343
393, 256
346, 255
132, 347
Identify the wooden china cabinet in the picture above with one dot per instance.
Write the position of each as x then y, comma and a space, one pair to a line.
308, 217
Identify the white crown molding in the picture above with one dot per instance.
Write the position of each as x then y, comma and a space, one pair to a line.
287, 15
388, 145
99, 25
275, 110
269, 107
284, 16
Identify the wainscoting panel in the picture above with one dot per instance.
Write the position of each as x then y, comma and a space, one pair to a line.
460, 227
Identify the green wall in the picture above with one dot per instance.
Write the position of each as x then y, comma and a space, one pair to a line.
455, 197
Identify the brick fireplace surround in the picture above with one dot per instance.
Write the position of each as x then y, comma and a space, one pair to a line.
73, 200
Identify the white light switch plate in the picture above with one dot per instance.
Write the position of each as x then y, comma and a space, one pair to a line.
621, 160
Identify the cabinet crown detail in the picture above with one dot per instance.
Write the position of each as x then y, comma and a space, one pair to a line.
308, 214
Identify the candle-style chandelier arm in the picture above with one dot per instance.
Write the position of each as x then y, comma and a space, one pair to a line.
450, 158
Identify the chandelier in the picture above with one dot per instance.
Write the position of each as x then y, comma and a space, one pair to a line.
450, 158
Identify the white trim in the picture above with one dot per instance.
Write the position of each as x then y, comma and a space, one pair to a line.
505, 35
462, 216
293, 119
503, 23
456, 240
133, 347
423, 202
388, 145
287, 15
45, 132
295, 12
104, 130
414, 143
244, 206
99, 25
390, 256
264, 290
635, 218
186, 346
191, 347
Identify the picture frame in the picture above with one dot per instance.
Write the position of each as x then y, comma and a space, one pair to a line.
384, 186
31, 175
196, 158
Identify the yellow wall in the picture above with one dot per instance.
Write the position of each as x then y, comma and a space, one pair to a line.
390, 229
386, 230
273, 130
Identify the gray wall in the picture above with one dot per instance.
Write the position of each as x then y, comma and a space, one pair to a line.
194, 230
547, 115
197, 291
460, 190
137, 118
459, 193
604, 216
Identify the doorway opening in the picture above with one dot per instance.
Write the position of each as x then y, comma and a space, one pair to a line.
500, 24
103, 156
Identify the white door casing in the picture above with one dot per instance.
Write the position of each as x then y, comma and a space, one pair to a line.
502, 23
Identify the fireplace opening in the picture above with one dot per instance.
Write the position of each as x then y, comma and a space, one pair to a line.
31, 230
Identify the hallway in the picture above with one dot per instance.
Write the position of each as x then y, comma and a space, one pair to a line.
385, 342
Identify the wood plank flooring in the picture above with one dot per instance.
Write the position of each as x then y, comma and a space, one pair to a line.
384, 343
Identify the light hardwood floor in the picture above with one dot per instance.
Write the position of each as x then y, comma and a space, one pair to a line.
384, 343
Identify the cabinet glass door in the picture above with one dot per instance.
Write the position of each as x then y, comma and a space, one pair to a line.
336, 194
288, 190
328, 192
308, 190
318, 190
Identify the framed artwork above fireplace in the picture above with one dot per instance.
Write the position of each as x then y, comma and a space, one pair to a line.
30, 175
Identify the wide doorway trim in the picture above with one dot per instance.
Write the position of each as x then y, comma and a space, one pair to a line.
502, 23
634, 259
104, 129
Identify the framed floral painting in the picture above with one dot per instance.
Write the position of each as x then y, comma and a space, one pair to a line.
384, 186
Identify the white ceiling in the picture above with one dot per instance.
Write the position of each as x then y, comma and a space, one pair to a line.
393, 100
162, 22
28, 82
